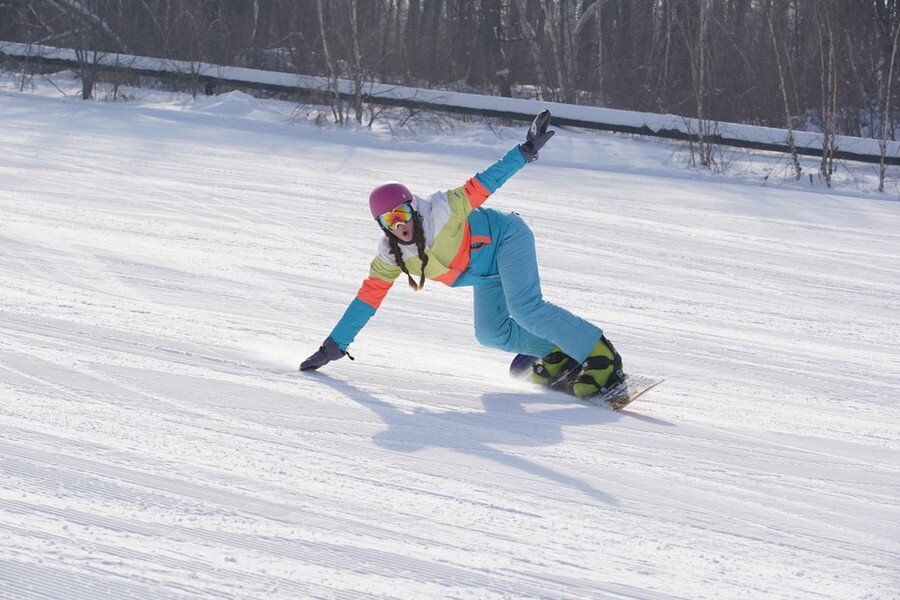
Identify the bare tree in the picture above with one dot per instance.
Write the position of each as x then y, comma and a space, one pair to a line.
88, 60
559, 26
776, 45
191, 32
86, 28
88, 14
694, 29
667, 43
534, 45
885, 119
829, 84
492, 27
337, 105
357, 62
594, 12
411, 37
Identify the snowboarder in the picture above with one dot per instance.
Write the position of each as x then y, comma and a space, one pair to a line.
450, 238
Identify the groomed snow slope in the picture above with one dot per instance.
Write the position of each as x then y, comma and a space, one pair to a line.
166, 266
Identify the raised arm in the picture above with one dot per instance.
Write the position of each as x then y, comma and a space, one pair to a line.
487, 182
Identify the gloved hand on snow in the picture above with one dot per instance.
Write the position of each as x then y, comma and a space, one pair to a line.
326, 353
537, 136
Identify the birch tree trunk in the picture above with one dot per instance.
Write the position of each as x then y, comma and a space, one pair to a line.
784, 96
701, 86
553, 28
593, 11
337, 105
411, 38
535, 46
357, 63
90, 18
886, 116
670, 21
87, 69
567, 75
255, 22
828, 86
492, 22
696, 42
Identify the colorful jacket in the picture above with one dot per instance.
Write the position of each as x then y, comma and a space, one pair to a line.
454, 226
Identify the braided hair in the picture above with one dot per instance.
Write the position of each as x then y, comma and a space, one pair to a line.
419, 239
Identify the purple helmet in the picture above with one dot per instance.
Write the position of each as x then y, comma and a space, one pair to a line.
388, 197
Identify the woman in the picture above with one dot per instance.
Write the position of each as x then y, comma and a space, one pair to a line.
448, 237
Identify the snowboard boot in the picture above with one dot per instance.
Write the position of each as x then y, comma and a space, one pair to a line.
553, 367
601, 370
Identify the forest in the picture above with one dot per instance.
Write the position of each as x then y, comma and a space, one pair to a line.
820, 65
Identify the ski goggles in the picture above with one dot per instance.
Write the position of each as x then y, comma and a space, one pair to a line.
393, 219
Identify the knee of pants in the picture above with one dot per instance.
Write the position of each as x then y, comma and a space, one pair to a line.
527, 311
494, 337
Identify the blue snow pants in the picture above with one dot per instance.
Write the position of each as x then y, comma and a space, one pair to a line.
510, 311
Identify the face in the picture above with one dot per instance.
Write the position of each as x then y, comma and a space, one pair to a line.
405, 232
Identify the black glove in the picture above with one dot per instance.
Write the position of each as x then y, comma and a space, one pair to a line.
326, 353
537, 136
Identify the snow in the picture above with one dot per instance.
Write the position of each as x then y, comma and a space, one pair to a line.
167, 263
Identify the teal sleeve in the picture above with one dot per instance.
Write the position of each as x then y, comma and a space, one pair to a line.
499, 172
355, 318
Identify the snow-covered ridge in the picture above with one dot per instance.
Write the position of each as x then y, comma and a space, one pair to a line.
766, 138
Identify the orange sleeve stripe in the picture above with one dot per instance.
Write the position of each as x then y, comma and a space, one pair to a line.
373, 291
476, 192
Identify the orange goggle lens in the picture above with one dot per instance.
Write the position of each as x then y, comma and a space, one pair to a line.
394, 218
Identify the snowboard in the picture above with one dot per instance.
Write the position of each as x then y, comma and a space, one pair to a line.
616, 397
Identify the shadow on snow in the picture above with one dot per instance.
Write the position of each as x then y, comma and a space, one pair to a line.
504, 422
